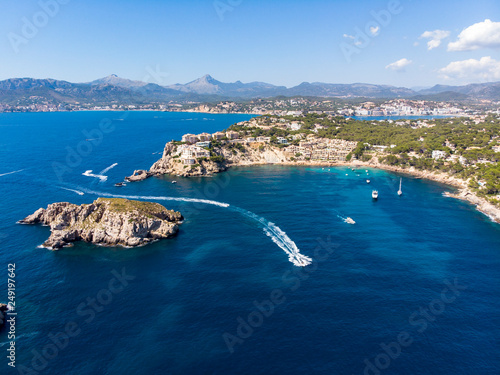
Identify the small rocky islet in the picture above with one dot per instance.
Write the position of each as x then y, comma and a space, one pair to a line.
107, 222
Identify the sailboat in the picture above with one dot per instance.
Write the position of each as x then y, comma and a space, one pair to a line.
400, 192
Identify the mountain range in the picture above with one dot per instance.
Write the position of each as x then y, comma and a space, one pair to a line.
113, 89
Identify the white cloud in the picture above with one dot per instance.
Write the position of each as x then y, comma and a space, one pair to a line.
435, 37
485, 69
484, 34
399, 65
357, 42
375, 30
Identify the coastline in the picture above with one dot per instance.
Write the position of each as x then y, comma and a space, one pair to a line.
463, 192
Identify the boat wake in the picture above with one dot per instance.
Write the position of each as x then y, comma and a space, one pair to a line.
278, 236
5, 174
99, 176
74, 191
107, 169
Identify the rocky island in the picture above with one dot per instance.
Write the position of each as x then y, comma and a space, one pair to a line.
106, 221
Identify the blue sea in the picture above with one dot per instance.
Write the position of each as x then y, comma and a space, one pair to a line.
412, 288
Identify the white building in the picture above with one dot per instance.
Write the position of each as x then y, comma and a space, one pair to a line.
190, 138
203, 144
437, 154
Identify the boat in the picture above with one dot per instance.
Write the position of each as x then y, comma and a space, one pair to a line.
174, 182
400, 192
367, 181
366, 170
375, 194
349, 220
120, 184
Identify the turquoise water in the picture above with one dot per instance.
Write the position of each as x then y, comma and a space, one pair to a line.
190, 305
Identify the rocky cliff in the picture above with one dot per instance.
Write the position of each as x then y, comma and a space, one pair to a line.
109, 222
171, 163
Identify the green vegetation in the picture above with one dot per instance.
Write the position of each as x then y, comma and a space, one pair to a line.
217, 159
148, 209
468, 147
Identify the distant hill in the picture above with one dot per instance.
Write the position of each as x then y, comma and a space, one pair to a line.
349, 90
113, 89
24, 89
446, 96
207, 85
114, 80
490, 90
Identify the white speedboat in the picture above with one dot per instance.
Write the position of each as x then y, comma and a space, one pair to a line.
349, 220
400, 192
367, 181
174, 182
375, 194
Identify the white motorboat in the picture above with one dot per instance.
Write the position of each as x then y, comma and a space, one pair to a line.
375, 194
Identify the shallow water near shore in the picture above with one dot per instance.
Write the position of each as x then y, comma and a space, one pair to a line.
184, 299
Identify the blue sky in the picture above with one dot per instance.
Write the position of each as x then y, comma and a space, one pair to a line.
283, 42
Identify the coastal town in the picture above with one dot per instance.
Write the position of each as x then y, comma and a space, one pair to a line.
276, 106
462, 152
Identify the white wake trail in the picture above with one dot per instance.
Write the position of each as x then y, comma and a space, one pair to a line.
5, 174
99, 176
102, 173
190, 200
74, 191
278, 236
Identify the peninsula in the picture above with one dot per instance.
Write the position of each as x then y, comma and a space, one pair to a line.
461, 152
106, 221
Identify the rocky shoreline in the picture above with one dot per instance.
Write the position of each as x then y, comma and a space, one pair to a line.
168, 164
107, 222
